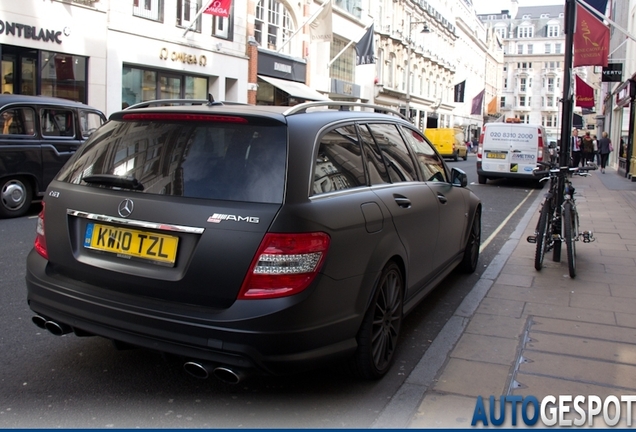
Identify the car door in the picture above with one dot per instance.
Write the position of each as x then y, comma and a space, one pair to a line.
60, 138
412, 205
450, 200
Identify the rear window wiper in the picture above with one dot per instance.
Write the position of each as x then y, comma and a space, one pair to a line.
128, 182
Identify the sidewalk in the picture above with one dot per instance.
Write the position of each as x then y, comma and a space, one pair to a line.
542, 333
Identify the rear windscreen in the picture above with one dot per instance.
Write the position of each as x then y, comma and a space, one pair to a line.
210, 160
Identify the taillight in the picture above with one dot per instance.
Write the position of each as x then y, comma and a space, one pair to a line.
540, 153
284, 265
40, 240
480, 147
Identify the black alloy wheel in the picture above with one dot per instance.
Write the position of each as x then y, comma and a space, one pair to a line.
471, 253
380, 329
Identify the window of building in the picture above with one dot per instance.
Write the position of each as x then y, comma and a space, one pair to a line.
524, 118
505, 67
63, 76
522, 84
522, 101
273, 25
141, 84
354, 7
501, 32
557, 48
502, 102
548, 48
525, 31
530, 48
343, 68
150, 9
550, 84
186, 11
222, 27
505, 84
553, 30
520, 49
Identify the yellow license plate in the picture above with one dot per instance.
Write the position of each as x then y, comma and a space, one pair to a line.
126, 242
495, 155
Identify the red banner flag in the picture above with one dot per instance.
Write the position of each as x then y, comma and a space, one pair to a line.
219, 8
591, 39
584, 94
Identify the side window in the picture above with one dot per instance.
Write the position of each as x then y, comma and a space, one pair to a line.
57, 122
430, 164
17, 121
395, 153
89, 122
375, 163
339, 162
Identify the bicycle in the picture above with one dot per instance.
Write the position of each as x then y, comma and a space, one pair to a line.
557, 226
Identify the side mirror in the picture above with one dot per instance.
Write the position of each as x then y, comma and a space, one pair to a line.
459, 177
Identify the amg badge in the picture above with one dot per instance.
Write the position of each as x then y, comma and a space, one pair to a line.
219, 217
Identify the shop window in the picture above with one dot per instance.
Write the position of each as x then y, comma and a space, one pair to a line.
150, 9
63, 76
186, 11
141, 85
343, 68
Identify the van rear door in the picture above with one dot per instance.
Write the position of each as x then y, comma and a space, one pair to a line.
510, 148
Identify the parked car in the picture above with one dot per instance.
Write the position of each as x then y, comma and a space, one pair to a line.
37, 136
449, 142
249, 238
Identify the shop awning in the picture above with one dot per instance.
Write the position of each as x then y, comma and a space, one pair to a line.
295, 89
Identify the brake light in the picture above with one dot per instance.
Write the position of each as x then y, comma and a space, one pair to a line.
183, 117
480, 146
284, 265
540, 153
40, 240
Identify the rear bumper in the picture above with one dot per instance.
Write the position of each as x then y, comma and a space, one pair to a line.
276, 337
504, 174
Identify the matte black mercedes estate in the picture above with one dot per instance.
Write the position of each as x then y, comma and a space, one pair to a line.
249, 238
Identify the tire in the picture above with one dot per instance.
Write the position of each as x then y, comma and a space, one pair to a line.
465, 156
455, 157
569, 232
471, 253
378, 335
481, 179
15, 197
544, 232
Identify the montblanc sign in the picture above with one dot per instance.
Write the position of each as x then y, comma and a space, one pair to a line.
31, 32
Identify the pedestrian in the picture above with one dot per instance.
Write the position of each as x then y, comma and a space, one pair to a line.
597, 156
587, 148
604, 148
575, 148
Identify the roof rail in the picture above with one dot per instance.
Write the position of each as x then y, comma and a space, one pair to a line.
343, 106
167, 102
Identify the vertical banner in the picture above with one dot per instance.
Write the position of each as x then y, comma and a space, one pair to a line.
459, 91
365, 48
478, 102
492, 106
591, 39
584, 94
320, 29
219, 8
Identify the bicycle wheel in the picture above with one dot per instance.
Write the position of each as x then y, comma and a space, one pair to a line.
569, 232
544, 232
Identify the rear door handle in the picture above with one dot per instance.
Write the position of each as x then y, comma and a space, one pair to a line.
442, 198
402, 201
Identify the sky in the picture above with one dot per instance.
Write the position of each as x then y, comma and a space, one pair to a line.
493, 6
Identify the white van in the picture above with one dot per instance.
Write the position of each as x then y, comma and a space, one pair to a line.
509, 150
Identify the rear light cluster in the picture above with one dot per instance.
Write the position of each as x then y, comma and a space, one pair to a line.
285, 264
40, 240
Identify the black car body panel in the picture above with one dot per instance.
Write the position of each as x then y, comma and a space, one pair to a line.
154, 172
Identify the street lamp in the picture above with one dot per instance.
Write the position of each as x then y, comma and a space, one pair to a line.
425, 29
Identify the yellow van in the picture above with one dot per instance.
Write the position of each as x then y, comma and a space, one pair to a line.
449, 142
